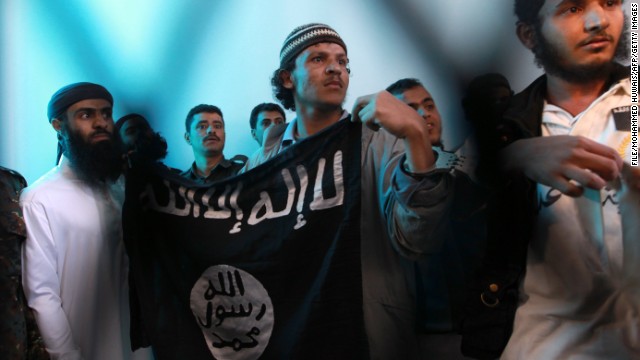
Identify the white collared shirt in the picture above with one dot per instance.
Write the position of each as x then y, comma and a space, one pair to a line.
290, 133
580, 298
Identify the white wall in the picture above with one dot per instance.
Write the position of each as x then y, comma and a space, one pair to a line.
161, 57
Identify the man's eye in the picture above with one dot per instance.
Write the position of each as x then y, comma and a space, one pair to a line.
316, 59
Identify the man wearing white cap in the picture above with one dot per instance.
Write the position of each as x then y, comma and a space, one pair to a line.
399, 192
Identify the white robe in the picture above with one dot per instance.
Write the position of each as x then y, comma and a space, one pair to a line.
75, 267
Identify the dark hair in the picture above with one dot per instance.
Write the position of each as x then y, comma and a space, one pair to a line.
253, 119
527, 11
281, 93
479, 102
479, 85
199, 109
401, 85
118, 124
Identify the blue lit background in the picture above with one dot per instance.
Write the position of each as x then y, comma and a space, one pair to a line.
161, 57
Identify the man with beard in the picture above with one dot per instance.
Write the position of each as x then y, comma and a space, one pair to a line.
576, 204
75, 267
139, 139
401, 197
204, 132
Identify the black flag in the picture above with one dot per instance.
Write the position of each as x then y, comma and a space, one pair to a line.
265, 264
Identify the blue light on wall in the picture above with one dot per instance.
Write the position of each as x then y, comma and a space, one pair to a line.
160, 58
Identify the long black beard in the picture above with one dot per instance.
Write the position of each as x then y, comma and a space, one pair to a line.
549, 58
94, 163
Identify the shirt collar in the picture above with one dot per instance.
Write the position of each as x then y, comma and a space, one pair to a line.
289, 134
553, 114
225, 163
289, 137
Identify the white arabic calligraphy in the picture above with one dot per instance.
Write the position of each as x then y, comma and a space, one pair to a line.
225, 205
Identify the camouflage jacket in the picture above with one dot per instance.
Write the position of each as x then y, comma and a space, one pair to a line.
19, 336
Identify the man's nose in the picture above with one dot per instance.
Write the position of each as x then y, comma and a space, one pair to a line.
334, 67
423, 112
595, 18
101, 120
213, 130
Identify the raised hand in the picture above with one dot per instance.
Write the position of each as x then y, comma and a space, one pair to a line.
384, 110
566, 163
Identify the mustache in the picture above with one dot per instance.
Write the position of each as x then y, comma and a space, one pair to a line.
101, 132
334, 79
596, 37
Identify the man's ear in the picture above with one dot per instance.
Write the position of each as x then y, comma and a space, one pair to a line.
57, 124
526, 34
187, 138
285, 77
253, 133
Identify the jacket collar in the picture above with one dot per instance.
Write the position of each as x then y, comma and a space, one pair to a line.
523, 117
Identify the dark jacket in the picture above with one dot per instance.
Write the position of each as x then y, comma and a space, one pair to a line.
523, 120
226, 168
523, 117
19, 335
512, 214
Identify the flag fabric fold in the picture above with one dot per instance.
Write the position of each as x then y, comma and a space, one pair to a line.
265, 264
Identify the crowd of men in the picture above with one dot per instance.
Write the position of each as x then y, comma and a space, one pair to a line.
546, 169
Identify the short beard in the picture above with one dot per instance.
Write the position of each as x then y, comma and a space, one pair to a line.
94, 163
548, 58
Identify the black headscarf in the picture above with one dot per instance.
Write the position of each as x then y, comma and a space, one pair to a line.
71, 94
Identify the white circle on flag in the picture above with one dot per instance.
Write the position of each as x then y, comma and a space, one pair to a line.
234, 312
